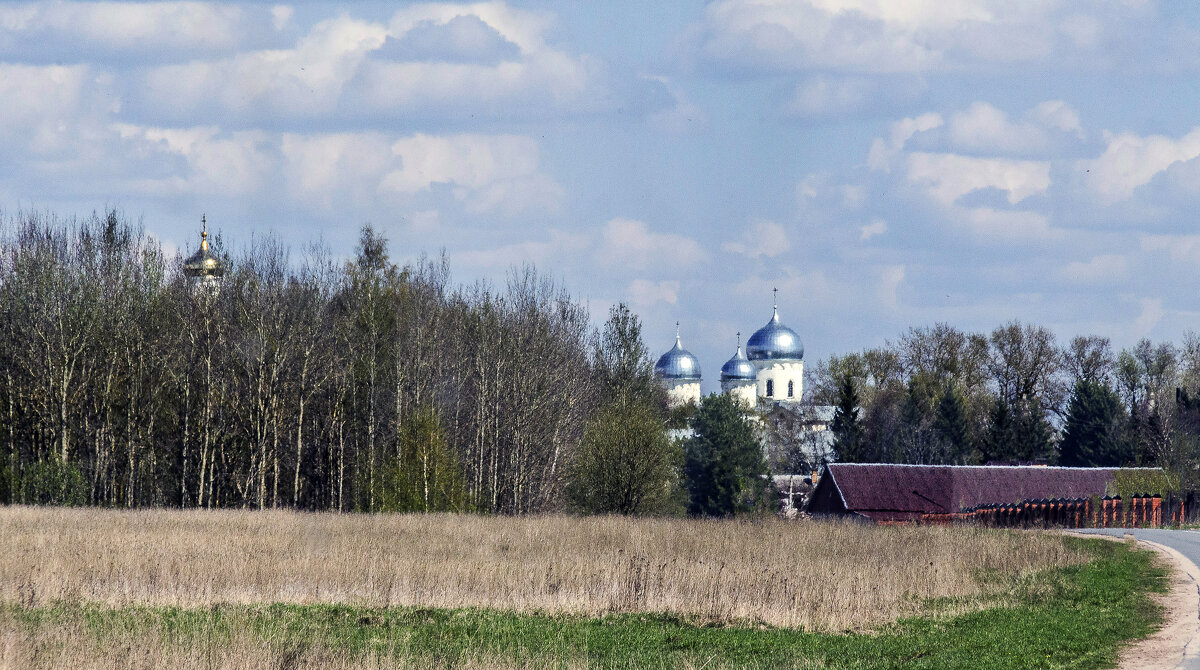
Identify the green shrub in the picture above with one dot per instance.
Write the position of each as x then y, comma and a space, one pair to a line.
53, 483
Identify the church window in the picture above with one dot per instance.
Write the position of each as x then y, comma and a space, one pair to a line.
791, 389
770, 388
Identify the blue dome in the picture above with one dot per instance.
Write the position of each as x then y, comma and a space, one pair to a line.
678, 363
775, 341
738, 368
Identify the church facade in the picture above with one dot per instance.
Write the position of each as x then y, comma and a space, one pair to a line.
771, 371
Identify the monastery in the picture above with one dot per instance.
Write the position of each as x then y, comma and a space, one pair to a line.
770, 372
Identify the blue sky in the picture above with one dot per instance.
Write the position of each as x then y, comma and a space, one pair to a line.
884, 163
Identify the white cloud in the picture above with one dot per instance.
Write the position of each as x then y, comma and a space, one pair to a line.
361, 171
425, 221
853, 196
217, 163
1002, 225
906, 36
522, 28
305, 81
473, 161
346, 66
948, 177
631, 243
984, 127
1131, 160
875, 227
281, 16
1152, 314
1179, 248
129, 26
1101, 269
43, 105
547, 252
331, 171
466, 38
890, 279
883, 151
644, 293
1059, 115
487, 173
825, 96
1083, 30
683, 115
490, 172
761, 238
814, 289
865, 36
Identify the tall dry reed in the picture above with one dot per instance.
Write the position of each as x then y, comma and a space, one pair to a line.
819, 576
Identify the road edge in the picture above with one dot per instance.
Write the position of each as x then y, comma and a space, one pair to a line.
1177, 643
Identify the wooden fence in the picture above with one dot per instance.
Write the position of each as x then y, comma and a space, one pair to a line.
1139, 511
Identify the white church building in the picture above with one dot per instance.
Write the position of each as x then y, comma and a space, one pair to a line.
771, 371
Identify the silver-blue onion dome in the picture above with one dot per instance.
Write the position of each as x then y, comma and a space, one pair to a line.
738, 368
775, 341
678, 363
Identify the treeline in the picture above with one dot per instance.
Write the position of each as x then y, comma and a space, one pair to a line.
323, 385
363, 385
304, 382
941, 395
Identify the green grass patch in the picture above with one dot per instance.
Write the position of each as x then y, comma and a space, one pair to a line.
1076, 617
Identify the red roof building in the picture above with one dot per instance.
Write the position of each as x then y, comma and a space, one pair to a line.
889, 492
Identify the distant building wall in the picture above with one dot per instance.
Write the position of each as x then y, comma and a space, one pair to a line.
682, 391
779, 373
743, 390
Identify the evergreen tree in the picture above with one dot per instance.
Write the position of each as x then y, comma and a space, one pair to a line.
1147, 435
724, 467
917, 440
997, 446
847, 430
950, 423
1018, 433
1032, 438
1092, 436
912, 410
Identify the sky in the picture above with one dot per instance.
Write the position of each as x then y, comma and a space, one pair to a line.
883, 163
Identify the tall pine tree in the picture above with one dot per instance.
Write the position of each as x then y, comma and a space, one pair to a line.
1092, 437
950, 423
725, 470
848, 440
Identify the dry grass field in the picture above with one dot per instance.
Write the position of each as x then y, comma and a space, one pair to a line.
818, 576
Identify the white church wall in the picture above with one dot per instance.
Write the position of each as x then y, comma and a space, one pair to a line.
682, 391
742, 391
779, 373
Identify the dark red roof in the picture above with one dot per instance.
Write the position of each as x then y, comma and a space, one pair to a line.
873, 489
